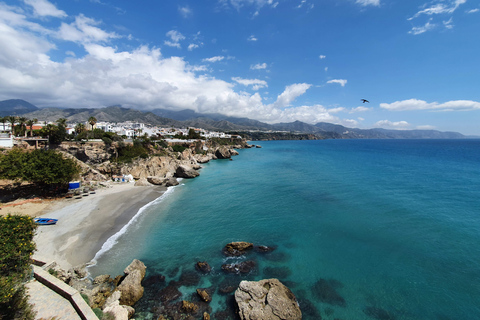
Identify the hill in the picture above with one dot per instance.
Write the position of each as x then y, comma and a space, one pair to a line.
15, 107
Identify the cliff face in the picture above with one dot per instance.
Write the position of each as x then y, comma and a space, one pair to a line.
98, 161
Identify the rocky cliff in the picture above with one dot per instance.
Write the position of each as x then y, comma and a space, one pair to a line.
99, 162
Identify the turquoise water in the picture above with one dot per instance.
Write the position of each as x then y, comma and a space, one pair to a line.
391, 226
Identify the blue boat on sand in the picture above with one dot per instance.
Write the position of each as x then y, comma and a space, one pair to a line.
45, 221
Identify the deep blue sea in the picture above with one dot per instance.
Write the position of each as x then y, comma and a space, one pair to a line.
363, 229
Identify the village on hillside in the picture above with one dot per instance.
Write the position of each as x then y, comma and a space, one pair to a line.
128, 130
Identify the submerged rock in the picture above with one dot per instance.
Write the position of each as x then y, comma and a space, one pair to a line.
267, 300
203, 267
241, 267
326, 291
169, 293
378, 313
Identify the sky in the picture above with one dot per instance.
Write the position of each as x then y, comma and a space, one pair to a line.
416, 62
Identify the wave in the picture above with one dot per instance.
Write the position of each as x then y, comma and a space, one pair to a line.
113, 240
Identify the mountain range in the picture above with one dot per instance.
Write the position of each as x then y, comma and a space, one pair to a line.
218, 122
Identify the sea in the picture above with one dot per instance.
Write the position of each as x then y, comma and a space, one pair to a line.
361, 229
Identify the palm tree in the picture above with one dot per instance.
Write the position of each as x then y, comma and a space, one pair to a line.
79, 128
21, 122
92, 120
12, 121
62, 122
30, 124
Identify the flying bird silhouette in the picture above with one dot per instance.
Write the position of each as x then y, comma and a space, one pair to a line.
364, 100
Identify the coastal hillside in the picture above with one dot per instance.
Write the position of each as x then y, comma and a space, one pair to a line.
296, 130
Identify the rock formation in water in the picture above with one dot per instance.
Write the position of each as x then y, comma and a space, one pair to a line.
266, 299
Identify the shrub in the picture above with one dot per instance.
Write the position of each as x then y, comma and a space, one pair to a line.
16, 247
178, 148
42, 167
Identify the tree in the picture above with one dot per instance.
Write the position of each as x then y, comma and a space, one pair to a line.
30, 124
12, 121
55, 134
79, 128
62, 122
22, 130
16, 237
92, 121
41, 167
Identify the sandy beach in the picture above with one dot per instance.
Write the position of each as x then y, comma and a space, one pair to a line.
85, 224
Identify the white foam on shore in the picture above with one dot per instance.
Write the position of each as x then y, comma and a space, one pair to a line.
113, 240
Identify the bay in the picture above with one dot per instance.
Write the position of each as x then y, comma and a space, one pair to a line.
392, 227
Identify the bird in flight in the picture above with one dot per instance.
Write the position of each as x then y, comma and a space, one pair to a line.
364, 100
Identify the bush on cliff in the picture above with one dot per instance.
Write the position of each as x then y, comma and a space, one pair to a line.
16, 247
127, 152
46, 168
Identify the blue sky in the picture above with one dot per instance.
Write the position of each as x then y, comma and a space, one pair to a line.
417, 62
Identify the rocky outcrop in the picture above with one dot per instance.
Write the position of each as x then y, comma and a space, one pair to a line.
156, 180
113, 307
235, 249
225, 153
184, 171
240, 267
131, 287
266, 300
142, 182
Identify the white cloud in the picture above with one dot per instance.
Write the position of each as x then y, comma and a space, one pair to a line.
360, 109
419, 30
175, 37
398, 125
84, 30
258, 4
322, 56
43, 8
368, 2
415, 104
291, 93
326, 69
252, 38
341, 82
185, 11
140, 77
426, 127
440, 7
258, 66
448, 24
255, 83
214, 59
473, 10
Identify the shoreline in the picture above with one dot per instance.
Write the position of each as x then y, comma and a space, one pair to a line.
85, 225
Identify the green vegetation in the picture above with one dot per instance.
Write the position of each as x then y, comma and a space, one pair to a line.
128, 152
178, 148
16, 247
41, 167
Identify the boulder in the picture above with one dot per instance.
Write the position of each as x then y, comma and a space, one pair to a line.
156, 180
266, 299
203, 158
235, 249
131, 287
101, 279
223, 153
119, 312
171, 182
203, 267
203, 294
142, 182
184, 171
189, 307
